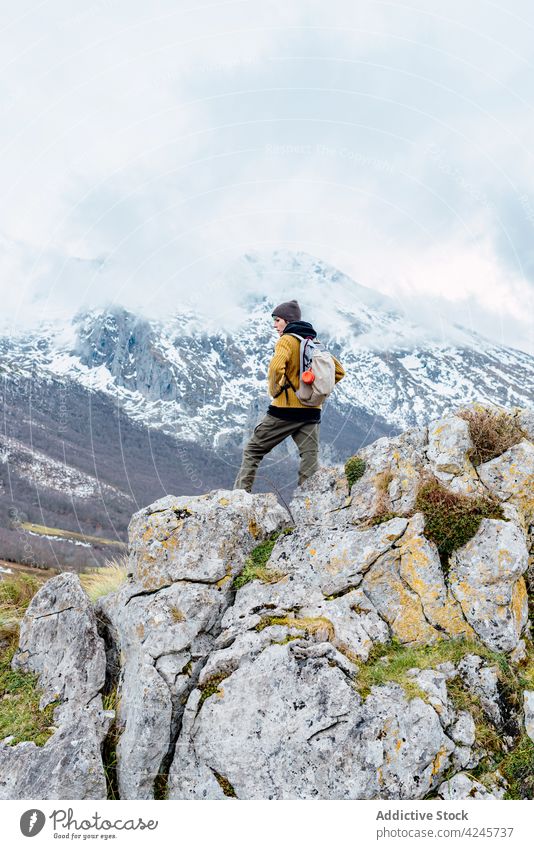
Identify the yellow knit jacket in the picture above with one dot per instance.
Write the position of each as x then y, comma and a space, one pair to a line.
285, 364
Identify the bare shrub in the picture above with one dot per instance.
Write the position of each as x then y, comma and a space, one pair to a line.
492, 433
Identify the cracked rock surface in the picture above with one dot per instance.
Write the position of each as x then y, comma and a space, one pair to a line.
59, 642
184, 554
257, 690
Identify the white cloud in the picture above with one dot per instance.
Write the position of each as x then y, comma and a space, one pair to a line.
145, 147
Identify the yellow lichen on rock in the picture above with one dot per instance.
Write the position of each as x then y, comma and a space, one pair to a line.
404, 615
337, 563
438, 760
440, 608
254, 529
519, 603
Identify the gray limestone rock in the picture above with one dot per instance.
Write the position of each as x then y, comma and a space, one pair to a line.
486, 579
510, 476
59, 642
391, 478
461, 786
322, 499
449, 444
68, 766
260, 690
184, 554
286, 724
482, 680
528, 706
203, 538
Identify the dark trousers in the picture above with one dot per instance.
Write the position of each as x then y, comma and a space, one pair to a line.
269, 433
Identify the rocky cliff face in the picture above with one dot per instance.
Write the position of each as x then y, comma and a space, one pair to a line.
327, 651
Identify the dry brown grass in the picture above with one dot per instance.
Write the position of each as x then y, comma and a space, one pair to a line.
382, 505
492, 433
176, 614
105, 580
16, 592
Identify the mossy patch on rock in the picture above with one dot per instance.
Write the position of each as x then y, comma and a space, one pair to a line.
161, 786
380, 518
354, 469
255, 568
452, 519
487, 736
211, 686
392, 661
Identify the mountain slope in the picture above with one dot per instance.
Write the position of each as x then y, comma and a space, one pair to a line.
132, 408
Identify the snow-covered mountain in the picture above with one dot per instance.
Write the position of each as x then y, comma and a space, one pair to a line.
194, 379
193, 385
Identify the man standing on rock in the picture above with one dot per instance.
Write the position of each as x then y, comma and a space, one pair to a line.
287, 415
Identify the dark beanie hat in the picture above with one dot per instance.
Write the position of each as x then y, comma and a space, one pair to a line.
289, 311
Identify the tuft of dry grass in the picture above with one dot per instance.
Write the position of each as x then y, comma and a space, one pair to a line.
492, 433
314, 626
176, 614
382, 503
16, 592
106, 579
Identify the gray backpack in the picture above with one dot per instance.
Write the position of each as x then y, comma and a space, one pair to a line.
318, 361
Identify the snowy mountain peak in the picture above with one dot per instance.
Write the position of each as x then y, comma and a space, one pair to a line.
201, 374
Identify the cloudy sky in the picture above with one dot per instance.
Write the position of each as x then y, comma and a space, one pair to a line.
146, 146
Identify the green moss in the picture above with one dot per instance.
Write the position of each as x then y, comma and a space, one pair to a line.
225, 785
20, 716
354, 469
391, 661
451, 520
381, 517
287, 639
210, 687
255, 568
